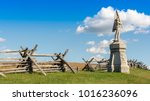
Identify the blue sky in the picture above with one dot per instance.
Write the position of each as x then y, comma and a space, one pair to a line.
52, 24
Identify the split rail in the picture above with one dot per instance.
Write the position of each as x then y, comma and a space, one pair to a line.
28, 62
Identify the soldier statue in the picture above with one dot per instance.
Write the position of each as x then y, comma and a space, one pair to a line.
116, 27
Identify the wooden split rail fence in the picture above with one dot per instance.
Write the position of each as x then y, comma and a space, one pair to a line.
28, 62
93, 64
134, 63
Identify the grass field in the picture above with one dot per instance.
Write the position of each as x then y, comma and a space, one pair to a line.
137, 76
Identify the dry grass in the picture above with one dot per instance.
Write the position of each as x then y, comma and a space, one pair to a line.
78, 65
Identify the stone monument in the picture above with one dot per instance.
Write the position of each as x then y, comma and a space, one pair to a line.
118, 59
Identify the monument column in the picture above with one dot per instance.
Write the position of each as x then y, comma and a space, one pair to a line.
118, 59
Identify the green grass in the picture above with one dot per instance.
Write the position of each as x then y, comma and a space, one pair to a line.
137, 76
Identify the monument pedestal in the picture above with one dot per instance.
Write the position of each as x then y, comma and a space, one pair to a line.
118, 59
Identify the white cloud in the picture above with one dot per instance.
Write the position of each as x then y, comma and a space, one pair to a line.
102, 22
97, 57
2, 40
135, 40
100, 35
142, 31
91, 43
131, 40
99, 48
81, 29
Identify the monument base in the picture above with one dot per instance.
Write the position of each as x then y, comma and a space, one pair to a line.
118, 59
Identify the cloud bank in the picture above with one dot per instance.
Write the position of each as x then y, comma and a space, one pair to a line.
102, 22
99, 48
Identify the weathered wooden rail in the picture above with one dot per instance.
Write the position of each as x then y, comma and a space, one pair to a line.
103, 64
29, 63
93, 64
134, 63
